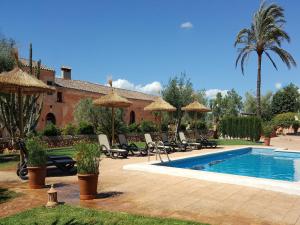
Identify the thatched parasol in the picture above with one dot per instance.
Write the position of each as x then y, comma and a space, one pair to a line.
112, 100
20, 82
196, 107
160, 105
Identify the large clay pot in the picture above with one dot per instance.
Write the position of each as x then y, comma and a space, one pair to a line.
88, 186
37, 177
267, 141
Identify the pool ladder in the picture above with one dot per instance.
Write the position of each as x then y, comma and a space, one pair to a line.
158, 152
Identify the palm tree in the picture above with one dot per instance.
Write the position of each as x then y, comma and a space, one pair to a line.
265, 35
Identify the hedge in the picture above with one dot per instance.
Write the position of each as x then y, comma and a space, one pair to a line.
241, 127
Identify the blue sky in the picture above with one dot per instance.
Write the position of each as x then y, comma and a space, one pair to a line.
142, 41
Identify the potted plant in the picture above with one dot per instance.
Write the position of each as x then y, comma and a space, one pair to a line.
88, 159
36, 164
267, 132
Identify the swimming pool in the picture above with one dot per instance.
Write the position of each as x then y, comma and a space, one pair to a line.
252, 162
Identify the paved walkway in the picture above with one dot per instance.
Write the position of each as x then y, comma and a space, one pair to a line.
167, 196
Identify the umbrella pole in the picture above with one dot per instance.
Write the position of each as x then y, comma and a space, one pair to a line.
195, 127
21, 125
113, 125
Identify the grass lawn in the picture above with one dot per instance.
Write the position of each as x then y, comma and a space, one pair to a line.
65, 214
236, 142
6, 195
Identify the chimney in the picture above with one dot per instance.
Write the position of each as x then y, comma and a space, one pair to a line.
66, 73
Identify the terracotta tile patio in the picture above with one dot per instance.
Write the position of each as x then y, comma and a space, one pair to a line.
164, 195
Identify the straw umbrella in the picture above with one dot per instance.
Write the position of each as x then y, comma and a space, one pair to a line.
160, 105
112, 100
195, 107
20, 82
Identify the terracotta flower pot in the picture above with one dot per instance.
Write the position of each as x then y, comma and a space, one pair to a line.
37, 177
88, 186
267, 141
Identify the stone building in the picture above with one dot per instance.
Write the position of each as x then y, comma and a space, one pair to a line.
58, 107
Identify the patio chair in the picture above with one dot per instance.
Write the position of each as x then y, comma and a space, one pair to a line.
156, 147
132, 148
205, 142
63, 163
173, 144
153, 146
108, 151
191, 144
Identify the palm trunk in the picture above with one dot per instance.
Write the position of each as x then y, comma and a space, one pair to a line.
258, 86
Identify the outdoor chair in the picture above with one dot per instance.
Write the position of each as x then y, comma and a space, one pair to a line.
173, 144
157, 147
205, 142
108, 151
191, 144
154, 146
132, 148
63, 163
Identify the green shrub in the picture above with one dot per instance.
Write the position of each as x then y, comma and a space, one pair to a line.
36, 153
164, 127
133, 128
296, 125
268, 130
69, 129
241, 127
200, 126
85, 128
148, 126
88, 158
51, 130
284, 120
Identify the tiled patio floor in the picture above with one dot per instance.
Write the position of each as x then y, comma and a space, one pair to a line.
164, 195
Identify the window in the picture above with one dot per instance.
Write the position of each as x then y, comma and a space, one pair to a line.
50, 118
50, 83
59, 97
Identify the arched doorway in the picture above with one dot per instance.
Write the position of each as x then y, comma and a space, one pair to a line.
50, 118
132, 117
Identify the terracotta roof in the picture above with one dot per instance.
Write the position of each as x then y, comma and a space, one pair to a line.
102, 89
25, 62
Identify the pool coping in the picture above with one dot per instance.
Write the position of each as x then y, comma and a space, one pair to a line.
286, 187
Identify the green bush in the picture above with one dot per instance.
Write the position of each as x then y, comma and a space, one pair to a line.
182, 127
69, 129
200, 126
148, 126
241, 127
134, 128
88, 158
164, 127
85, 128
268, 130
36, 153
296, 125
284, 120
51, 130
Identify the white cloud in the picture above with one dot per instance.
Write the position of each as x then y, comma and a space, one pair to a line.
278, 85
186, 25
211, 93
151, 88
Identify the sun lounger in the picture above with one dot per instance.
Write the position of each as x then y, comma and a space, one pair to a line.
108, 151
132, 148
192, 144
205, 142
173, 144
63, 163
153, 146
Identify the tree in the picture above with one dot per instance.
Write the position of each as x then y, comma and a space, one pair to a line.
229, 105
286, 100
232, 103
264, 36
8, 102
266, 105
178, 93
100, 117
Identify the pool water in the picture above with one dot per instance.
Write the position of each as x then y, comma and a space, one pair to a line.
253, 162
